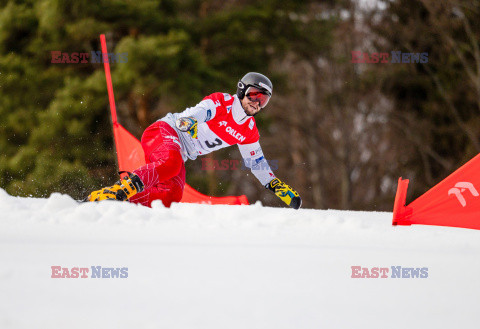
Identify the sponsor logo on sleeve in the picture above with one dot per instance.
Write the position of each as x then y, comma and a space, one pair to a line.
251, 123
259, 159
174, 139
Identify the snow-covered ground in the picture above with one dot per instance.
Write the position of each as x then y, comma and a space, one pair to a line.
201, 266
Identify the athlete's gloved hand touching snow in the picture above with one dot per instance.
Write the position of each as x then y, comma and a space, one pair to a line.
285, 193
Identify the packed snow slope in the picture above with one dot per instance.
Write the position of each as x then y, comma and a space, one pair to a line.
202, 266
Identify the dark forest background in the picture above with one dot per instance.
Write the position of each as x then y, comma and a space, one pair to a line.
342, 133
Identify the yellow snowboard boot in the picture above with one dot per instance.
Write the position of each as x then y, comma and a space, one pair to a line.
122, 190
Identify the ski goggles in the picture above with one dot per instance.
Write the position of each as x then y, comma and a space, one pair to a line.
257, 95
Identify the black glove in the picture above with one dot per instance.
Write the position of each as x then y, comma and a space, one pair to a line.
285, 193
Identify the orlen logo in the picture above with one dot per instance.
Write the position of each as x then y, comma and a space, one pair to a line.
459, 188
234, 133
222, 123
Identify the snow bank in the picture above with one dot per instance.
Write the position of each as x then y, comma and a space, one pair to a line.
203, 266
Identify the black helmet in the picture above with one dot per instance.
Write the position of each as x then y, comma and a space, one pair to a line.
255, 81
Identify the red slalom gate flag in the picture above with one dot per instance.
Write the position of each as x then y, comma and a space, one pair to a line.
130, 153
454, 202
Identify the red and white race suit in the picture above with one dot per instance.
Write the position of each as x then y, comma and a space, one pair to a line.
222, 122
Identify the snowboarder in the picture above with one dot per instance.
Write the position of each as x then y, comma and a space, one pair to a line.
219, 120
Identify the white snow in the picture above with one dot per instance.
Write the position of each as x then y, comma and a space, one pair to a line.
227, 267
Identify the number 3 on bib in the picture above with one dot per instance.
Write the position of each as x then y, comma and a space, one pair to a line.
217, 142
